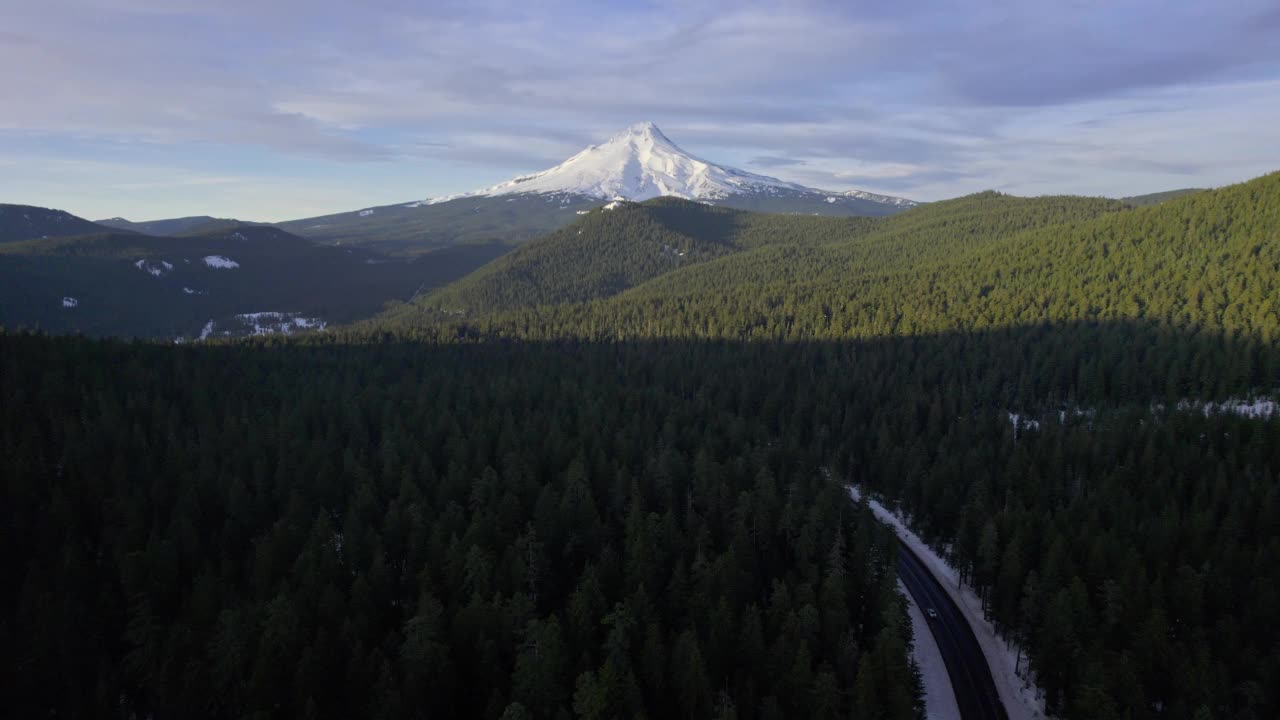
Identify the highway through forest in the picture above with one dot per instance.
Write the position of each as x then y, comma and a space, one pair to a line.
975, 690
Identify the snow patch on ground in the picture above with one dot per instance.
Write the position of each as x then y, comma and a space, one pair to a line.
612, 205
269, 323
366, 213
189, 291
261, 323
939, 697
70, 302
220, 263
874, 197
1258, 408
1022, 700
154, 269
1022, 422
584, 212
831, 201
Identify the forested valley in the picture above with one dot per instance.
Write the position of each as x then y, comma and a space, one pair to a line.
562, 488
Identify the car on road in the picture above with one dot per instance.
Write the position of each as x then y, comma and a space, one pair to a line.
933, 614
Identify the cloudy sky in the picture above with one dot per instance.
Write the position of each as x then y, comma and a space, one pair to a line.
277, 109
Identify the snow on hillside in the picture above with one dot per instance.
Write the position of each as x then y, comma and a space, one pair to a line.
641, 163
70, 302
874, 197
154, 269
1259, 408
269, 323
261, 323
220, 263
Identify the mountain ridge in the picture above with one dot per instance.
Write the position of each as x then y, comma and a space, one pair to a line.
31, 222
168, 227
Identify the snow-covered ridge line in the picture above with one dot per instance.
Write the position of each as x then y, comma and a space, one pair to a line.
641, 163
1021, 699
875, 197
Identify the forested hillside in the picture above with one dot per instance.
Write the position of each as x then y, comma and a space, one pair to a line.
627, 245
620, 246
1123, 546
128, 284
410, 229
1207, 261
26, 222
401, 531
612, 484
1157, 198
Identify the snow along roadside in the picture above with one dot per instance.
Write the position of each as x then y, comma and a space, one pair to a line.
1022, 700
939, 697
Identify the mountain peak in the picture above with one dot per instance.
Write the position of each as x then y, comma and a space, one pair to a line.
640, 163
645, 135
642, 129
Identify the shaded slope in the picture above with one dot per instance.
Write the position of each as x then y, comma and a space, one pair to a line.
415, 228
139, 285
623, 245
27, 222
637, 248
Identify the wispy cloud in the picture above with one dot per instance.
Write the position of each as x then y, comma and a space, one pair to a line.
927, 98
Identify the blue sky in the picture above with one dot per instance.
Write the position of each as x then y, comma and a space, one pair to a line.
277, 109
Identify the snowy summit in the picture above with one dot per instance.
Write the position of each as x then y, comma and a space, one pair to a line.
640, 163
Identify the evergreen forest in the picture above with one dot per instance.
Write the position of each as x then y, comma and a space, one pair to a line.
606, 476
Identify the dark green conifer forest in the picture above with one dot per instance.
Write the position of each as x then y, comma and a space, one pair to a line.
615, 486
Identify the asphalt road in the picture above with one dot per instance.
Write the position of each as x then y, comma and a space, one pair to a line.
976, 693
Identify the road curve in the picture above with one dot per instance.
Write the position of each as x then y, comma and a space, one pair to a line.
976, 693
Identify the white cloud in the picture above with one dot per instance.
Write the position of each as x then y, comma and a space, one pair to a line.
926, 100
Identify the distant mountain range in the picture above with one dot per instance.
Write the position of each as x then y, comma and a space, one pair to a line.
27, 222
63, 274
612, 218
637, 164
175, 226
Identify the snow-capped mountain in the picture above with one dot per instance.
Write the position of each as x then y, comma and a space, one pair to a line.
640, 163
637, 164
